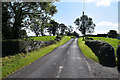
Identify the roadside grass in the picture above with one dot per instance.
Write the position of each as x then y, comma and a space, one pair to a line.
43, 38
86, 50
10, 64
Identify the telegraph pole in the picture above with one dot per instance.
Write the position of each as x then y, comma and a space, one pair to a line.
83, 21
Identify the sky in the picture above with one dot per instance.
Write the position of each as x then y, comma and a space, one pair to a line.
103, 12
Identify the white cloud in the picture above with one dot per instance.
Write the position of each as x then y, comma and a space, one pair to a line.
89, 0
105, 26
98, 2
103, 2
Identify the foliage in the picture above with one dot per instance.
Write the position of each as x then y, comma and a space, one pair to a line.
11, 47
62, 27
6, 29
11, 64
75, 34
53, 28
112, 34
85, 24
23, 14
70, 29
47, 10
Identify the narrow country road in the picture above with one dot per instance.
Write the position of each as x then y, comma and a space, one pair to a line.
66, 61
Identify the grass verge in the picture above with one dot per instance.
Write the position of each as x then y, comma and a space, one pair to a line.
12, 63
86, 50
43, 38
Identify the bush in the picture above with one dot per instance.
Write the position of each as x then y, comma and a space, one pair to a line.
58, 38
104, 51
12, 47
87, 38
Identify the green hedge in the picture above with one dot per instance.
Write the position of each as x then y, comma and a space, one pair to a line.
12, 47
104, 51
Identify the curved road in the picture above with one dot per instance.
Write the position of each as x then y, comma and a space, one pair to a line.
66, 61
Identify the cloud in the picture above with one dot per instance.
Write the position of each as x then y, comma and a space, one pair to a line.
89, 0
105, 26
103, 2
98, 2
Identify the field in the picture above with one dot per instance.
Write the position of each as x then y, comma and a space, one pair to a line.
89, 53
43, 38
12, 63
113, 42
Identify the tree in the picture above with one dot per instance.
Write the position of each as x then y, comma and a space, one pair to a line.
47, 11
20, 11
53, 27
70, 29
62, 27
112, 34
22, 34
85, 24
6, 29
75, 34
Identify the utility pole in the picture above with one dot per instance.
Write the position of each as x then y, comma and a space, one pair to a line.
83, 21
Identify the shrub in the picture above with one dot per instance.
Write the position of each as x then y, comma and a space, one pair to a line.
12, 47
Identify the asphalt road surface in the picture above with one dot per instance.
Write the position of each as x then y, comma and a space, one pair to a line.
66, 61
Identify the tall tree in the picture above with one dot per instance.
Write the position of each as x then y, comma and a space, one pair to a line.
6, 29
70, 28
62, 27
47, 11
19, 11
53, 28
85, 24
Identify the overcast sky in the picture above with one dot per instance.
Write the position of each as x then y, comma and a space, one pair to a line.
103, 12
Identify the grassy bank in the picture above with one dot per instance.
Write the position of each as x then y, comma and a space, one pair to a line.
86, 50
43, 38
12, 63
